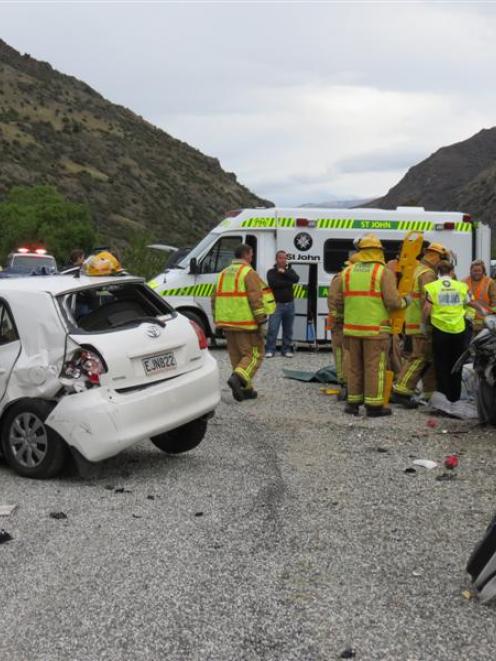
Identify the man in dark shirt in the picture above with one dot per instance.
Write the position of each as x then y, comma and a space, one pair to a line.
281, 279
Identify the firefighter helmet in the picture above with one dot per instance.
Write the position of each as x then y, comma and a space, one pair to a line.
103, 263
369, 241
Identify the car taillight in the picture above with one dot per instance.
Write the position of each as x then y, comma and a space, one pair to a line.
84, 364
202, 338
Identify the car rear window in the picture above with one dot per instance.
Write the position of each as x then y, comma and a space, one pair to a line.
27, 264
114, 306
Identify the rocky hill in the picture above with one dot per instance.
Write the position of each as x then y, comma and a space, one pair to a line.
460, 177
55, 129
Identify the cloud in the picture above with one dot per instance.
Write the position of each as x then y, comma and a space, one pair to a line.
301, 101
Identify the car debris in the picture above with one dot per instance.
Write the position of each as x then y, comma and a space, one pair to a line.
59, 516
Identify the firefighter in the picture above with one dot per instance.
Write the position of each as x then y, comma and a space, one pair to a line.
335, 325
419, 363
367, 294
240, 305
483, 291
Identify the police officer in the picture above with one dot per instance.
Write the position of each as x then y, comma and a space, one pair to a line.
419, 364
446, 301
240, 305
367, 295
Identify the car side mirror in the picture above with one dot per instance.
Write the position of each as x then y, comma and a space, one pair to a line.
193, 265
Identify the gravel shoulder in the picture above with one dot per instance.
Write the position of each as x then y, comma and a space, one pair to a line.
285, 535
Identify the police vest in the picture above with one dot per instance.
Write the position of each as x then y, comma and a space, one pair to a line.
232, 307
413, 314
365, 314
448, 304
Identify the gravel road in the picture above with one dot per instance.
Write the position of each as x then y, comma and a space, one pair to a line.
291, 532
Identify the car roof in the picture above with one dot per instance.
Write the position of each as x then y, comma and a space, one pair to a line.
58, 284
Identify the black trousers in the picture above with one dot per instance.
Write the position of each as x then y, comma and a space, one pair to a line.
446, 349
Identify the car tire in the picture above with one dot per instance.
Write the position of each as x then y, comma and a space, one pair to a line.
29, 446
183, 438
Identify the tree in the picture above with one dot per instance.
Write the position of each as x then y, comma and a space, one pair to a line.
40, 215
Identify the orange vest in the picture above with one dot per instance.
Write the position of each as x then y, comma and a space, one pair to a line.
480, 291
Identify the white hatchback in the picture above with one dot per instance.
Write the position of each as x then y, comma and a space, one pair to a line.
93, 365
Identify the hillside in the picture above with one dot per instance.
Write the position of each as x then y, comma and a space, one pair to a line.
55, 129
460, 177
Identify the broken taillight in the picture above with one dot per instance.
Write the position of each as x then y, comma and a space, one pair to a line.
85, 364
202, 338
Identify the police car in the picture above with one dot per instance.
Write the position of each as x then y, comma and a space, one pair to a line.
317, 241
29, 261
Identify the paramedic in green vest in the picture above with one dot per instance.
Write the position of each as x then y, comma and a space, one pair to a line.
419, 363
446, 306
241, 303
367, 294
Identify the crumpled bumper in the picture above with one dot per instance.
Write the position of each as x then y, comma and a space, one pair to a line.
101, 422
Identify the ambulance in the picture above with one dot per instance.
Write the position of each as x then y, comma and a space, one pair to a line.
318, 241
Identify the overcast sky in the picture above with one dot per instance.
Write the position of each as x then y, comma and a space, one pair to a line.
304, 102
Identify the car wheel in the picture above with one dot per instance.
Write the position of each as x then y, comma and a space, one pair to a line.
29, 446
183, 438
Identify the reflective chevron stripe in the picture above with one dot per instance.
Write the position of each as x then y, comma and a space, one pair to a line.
397, 225
300, 291
193, 290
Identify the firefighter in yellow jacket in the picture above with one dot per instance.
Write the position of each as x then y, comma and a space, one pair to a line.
419, 364
240, 305
367, 295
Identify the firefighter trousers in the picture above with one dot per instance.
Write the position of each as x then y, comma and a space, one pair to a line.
418, 365
246, 351
367, 369
340, 353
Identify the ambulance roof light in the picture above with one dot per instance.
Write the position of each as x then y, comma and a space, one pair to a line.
40, 251
23, 250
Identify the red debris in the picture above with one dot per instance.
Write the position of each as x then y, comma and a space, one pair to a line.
451, 461
432, 423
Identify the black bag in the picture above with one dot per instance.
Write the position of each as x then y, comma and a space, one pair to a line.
482, 564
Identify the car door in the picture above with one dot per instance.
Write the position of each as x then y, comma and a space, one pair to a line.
10, 346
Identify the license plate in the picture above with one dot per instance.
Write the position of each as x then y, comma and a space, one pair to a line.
162, 362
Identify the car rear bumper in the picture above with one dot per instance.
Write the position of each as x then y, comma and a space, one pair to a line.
101, 422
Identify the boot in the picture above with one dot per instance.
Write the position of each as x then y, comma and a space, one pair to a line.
405, 400
343, 393
249, 393
352, 409
237, 386
377, 411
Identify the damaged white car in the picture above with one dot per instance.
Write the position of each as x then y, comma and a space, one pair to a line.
93, 365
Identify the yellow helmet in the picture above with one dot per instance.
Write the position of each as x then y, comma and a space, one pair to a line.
353, 258
369, 241
437, 247
103, 263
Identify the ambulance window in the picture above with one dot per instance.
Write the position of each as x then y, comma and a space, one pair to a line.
8, 332
391, 248
336, 252
221, 254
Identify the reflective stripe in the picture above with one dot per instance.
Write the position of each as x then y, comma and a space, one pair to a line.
361, 327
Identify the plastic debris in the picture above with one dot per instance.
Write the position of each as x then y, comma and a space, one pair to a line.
451, 462
348, 653
410, 471
432, 423
58, 515
7, 510
4, 536
425, 463
467, 594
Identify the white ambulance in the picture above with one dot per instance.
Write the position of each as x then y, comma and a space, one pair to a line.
317, 241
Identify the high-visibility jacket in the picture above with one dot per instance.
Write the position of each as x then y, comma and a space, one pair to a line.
413, 314
365, 314
232, 306
480, 293
448, 298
